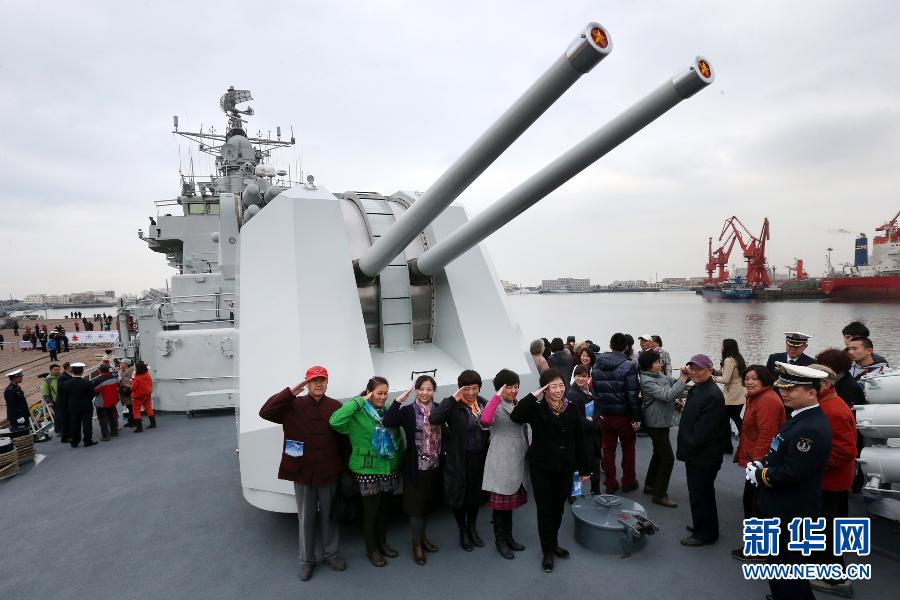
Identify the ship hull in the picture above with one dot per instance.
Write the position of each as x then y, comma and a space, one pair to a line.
863, 288
728, 294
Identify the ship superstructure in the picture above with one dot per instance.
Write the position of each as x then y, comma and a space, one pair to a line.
186, 333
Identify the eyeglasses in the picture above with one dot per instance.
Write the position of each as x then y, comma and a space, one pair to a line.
556, 386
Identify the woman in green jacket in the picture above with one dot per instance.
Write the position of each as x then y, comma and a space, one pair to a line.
375, 462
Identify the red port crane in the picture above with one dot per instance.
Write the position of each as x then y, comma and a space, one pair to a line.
797, 268
718, 261
891, 231
753, 247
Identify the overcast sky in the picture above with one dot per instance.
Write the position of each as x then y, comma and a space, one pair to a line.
801, 125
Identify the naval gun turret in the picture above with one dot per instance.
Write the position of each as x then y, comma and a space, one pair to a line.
395, 285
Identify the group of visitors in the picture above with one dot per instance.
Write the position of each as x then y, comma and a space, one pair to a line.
471, 450
51, 340
74, 399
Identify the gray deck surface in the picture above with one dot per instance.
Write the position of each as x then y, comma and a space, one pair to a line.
160, 515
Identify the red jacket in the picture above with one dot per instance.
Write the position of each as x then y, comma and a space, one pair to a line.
108, 388
841, 467
141, 387
304, 420
763, 417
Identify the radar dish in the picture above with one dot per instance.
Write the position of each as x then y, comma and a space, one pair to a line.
229, 101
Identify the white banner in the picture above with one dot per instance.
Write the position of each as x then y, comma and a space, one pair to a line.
93, 337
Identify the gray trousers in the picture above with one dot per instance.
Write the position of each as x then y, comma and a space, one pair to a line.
314, 516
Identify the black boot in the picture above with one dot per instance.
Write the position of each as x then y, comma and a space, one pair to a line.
501, 541
507, 526
138, 426
513, 544
464, 540
473, 535
152, 422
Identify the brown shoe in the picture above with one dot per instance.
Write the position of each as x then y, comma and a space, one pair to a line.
388, 551
665, 501
630, 487
419, 554
377, 559
428, 545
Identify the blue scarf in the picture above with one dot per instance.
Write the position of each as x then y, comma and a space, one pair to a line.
382, 438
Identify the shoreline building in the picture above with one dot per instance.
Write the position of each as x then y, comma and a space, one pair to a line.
566, 284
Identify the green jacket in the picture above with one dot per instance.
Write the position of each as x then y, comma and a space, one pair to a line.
49, 389
353, 421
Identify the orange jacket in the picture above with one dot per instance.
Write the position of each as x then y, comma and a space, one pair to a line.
763, 417
141, 387
839, 471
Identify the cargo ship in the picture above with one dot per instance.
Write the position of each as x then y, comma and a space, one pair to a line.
871, 278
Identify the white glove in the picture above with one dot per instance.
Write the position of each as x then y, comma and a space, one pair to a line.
750, 472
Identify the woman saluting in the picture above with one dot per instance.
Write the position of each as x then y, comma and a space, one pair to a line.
557, 451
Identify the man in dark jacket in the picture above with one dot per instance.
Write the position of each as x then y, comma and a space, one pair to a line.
795, 344
616, 385
703, 436
61, 408
311, 458
16, 405
80, 395
561, 360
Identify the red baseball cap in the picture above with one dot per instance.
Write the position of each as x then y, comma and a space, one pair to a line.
316, 371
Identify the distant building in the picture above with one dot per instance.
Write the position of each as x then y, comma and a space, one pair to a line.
675, 281
58, 299
36, 298
566, 284
630, 283
509, 286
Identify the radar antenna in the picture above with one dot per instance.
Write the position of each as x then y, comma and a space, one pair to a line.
228, 103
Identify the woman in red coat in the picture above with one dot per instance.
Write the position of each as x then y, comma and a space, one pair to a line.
763, 417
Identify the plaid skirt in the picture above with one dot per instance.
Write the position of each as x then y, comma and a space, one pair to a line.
504, 502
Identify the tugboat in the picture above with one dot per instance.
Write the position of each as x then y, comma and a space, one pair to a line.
877, 278
735, 289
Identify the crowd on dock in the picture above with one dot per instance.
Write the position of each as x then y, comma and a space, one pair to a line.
796, 440
53, 339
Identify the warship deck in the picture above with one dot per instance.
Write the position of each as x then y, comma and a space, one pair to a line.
160, 515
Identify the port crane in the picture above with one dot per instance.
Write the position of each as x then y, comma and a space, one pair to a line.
891, 231
797, 269
754, 250
718, 261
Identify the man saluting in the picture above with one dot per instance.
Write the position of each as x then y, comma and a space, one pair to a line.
790, 476
311, 458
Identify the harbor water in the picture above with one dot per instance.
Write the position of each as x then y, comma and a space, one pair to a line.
690, 324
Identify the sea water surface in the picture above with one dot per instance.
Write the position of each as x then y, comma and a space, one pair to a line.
690, 324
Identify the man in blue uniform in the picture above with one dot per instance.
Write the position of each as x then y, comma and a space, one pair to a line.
795, 344
790, 476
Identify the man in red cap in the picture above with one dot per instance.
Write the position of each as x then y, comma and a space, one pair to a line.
311, 458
